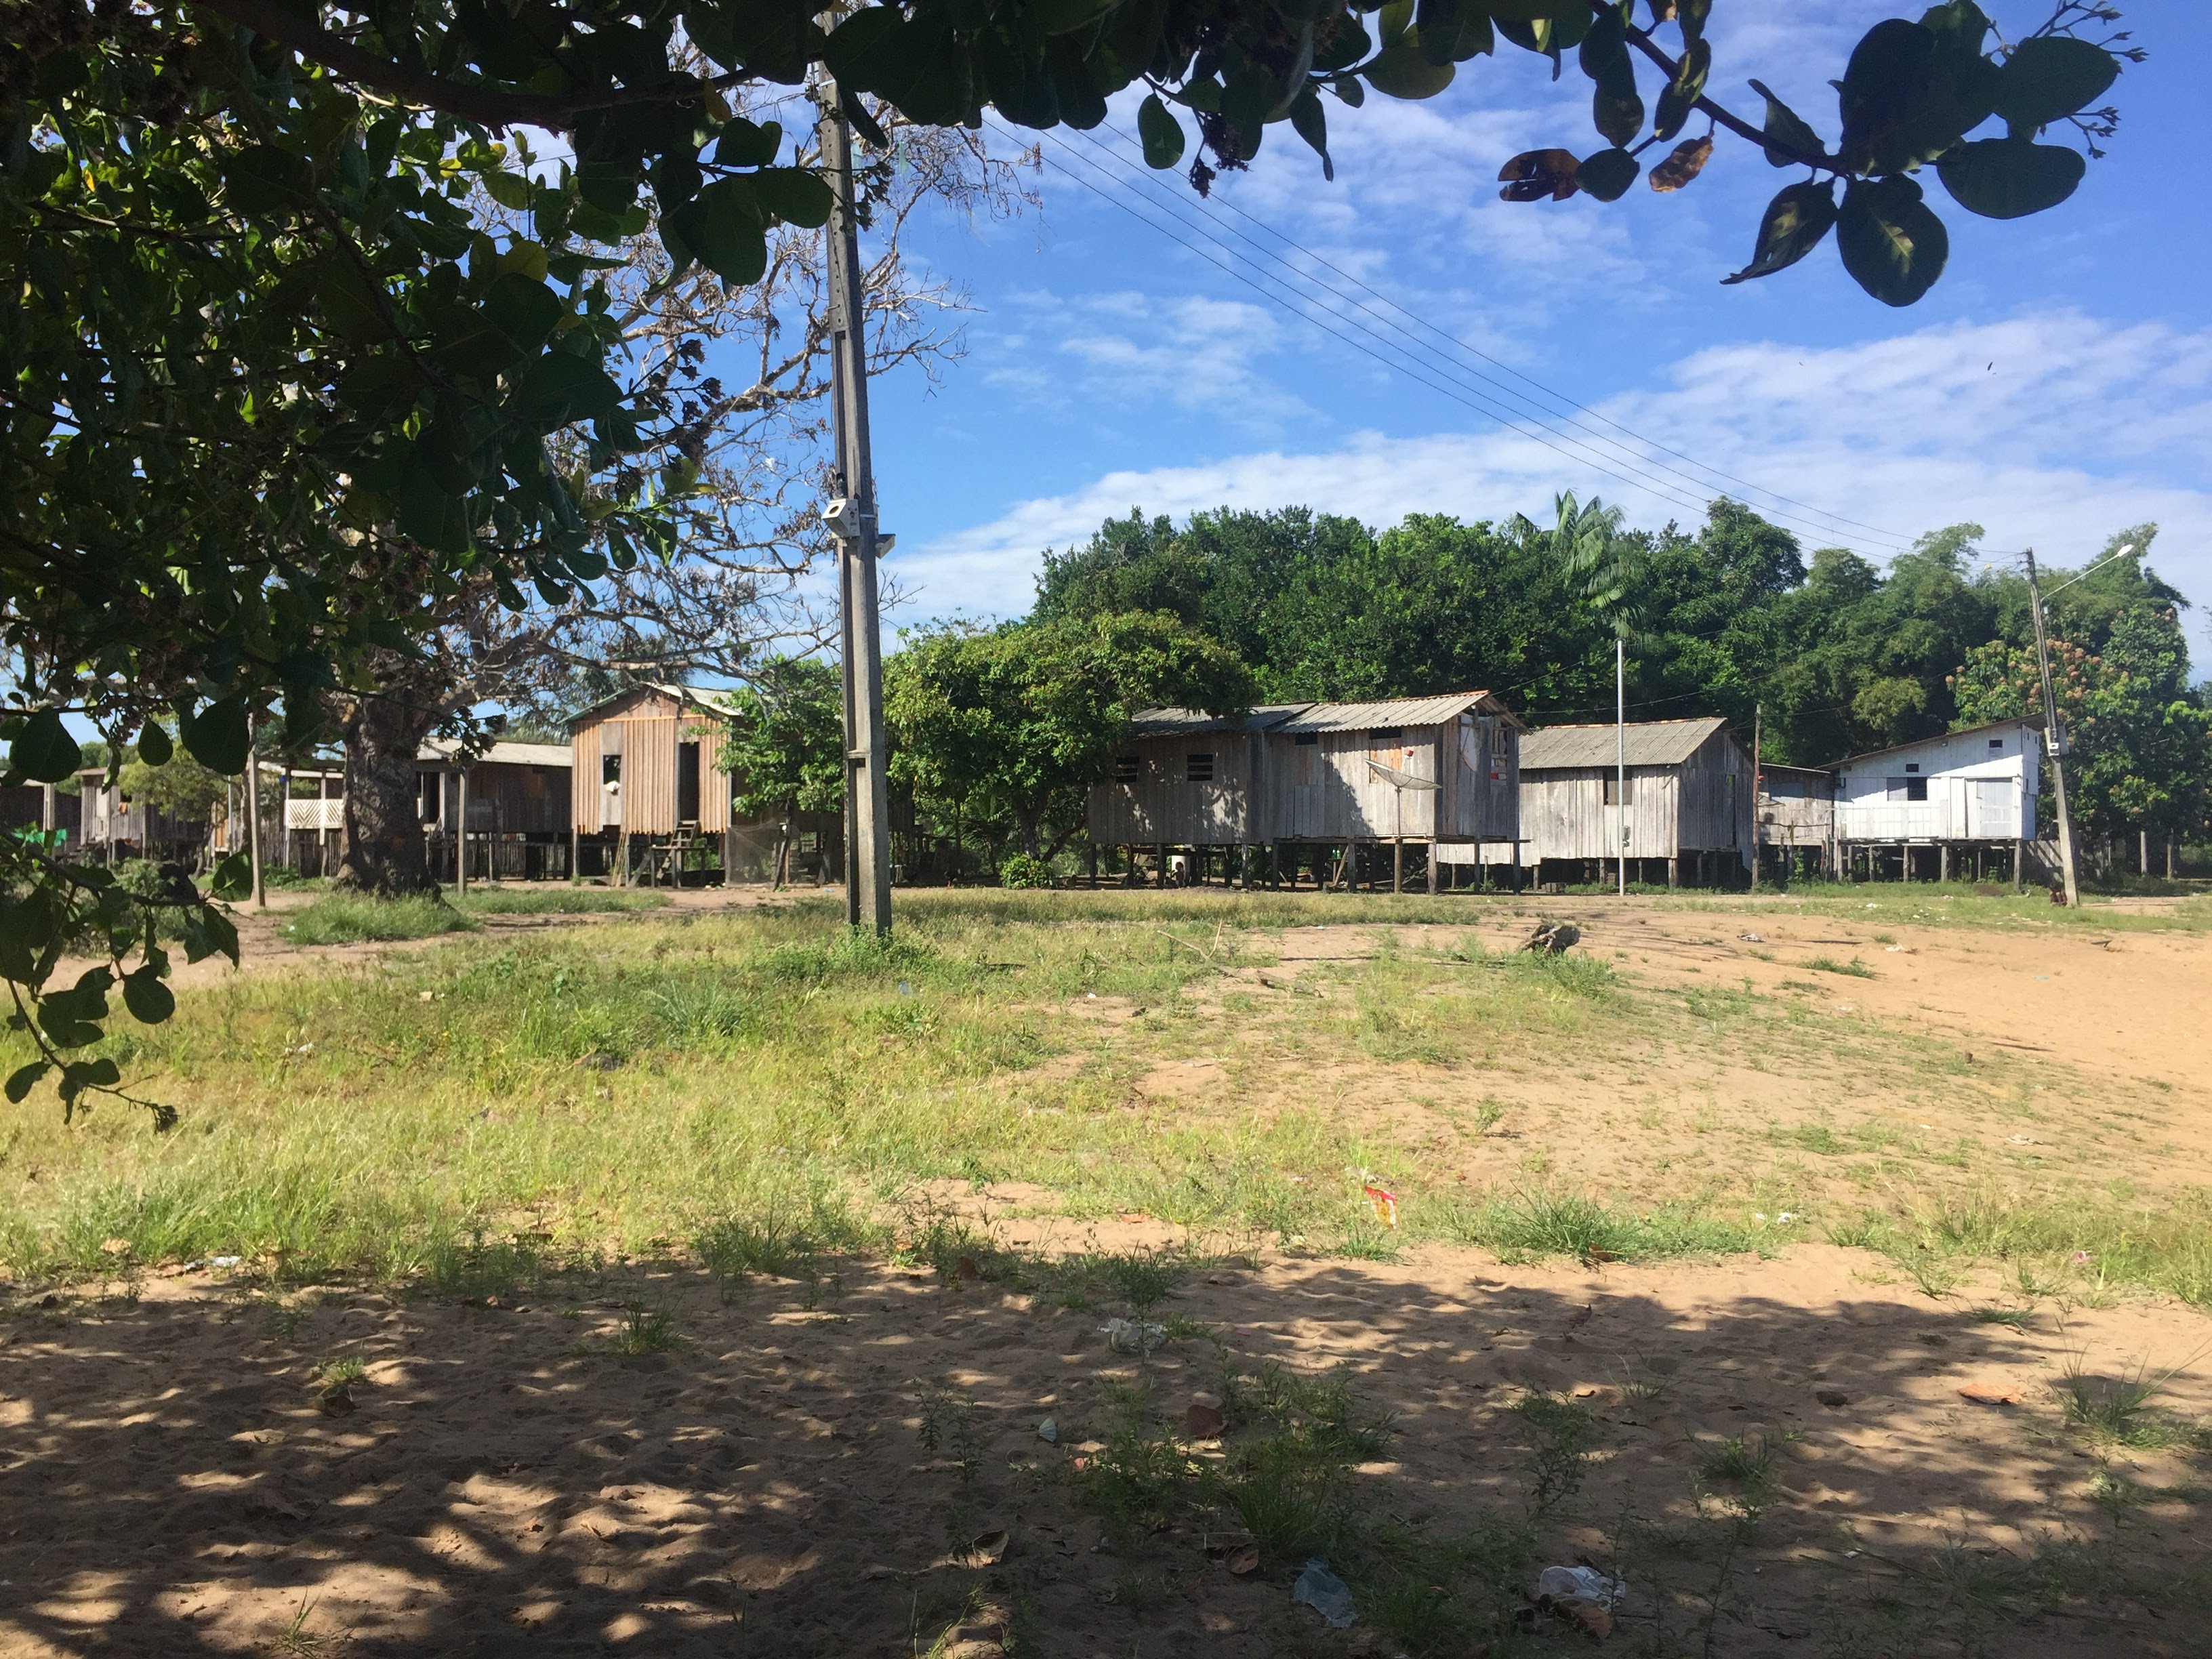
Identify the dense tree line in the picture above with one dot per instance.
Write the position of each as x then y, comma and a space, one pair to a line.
1829, 654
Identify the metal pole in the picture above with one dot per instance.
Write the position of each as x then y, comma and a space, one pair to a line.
2051, 734
461, 826
1757, 714
252, 808
1620, 735
867, 787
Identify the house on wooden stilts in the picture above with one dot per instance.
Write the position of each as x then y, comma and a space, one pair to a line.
1340, 790
652, 801
1796, 821
1961, 802
1689, 803
506, 810
1183, 791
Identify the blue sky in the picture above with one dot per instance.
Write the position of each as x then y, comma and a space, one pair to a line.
2056, 385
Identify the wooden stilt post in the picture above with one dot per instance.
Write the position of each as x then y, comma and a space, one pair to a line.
1398, 865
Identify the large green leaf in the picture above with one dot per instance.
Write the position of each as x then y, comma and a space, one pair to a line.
149, 1001
1891, 242
1792, 228
1789, 137
217, 736
2052, 77
1681, 94
1161, 132
743, 144
43, 749
522, 309
559, 389
1607, 175
795, 196
1453, 31
1311, 123
1906, 98
2010, 177
1403, 72
154, 745
1616, 118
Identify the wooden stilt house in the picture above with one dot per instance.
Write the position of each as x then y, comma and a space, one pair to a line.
1689, 799
1963, 799
1320, 786
649, 798
518, 803
1796, 820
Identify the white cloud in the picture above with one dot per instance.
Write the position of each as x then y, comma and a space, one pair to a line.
2050, 430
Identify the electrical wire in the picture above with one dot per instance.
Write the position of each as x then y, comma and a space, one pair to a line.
1674, 494
1378, 329
1453, 341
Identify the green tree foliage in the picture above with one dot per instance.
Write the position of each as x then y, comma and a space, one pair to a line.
787, 739
1833, 655
1019, 720
2141, 743
182, 787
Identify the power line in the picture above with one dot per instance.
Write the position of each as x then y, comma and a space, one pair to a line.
1422, 323
1371, 347
1083, 171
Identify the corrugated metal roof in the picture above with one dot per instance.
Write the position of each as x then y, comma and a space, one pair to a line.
2017, 720
1195, 722
713, 701
1399, 712
1650, 743
504, 754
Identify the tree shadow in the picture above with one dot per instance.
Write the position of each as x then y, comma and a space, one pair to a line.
170, 1482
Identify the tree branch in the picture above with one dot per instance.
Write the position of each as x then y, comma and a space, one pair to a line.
486, 105
1819, 160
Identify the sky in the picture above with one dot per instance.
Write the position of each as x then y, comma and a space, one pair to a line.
2055, 386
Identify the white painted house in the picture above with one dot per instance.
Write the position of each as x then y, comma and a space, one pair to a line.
1978, 786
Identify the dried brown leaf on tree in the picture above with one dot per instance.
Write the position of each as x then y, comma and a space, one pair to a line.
1534, 174
1687, 161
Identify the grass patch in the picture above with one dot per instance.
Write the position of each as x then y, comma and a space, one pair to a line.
1591, 1232
2052, 1247
1852, 970
355, 919
2120, 1412
554, 901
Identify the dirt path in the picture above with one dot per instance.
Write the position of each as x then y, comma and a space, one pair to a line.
504, 1485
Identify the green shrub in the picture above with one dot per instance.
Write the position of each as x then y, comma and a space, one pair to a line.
1023, 871
350, 918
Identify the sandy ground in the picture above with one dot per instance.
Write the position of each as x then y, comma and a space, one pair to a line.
504, 1485
168, 1485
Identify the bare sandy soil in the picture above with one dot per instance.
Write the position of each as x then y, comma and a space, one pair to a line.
503, 1484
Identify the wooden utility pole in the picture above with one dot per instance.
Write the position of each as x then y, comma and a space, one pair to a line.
2052, 740
252, 809
1758, 718
1620, 736
867, 789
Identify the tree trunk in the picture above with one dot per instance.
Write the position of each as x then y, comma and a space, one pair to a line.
382, 850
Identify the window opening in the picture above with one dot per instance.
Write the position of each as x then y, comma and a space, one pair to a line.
1126, 768
1199, 767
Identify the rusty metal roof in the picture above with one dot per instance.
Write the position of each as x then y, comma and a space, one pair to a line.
441, 750
1398, 713
1650, 743
1195, 722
